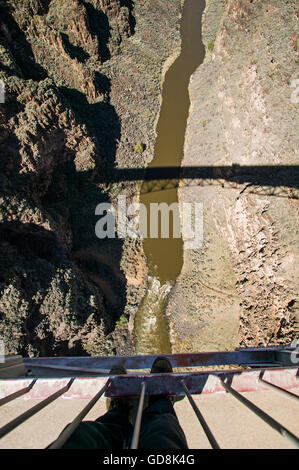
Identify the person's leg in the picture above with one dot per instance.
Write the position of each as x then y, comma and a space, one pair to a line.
160, 428
110, 431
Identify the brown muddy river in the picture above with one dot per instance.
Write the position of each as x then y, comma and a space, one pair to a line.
165, 255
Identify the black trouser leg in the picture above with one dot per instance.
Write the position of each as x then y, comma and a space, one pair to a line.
160, 428
110, 431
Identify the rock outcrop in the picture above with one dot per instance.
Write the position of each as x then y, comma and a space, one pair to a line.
82, 87
240, 288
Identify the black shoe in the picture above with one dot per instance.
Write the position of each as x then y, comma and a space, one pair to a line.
161, 365
114, 402
129, 405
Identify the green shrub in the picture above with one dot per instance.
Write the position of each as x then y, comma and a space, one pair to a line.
211, 45
139, 147
123, 321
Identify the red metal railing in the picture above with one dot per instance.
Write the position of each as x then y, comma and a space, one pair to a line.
265, 368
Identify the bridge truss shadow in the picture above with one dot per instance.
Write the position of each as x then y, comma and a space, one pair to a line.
265, 180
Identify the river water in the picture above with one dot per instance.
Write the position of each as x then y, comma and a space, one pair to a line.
165, 255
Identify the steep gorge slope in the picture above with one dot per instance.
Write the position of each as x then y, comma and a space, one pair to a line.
241, 287
82, 82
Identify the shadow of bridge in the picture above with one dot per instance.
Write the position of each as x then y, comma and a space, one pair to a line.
271, 180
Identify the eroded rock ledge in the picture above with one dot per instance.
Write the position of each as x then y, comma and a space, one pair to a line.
82, 85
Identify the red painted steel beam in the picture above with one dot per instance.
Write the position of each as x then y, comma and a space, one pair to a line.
204, 382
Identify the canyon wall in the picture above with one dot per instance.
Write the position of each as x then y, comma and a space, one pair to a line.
82, 89
240, 288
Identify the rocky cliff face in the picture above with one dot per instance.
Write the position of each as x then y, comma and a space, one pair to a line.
240, 288
82, 82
